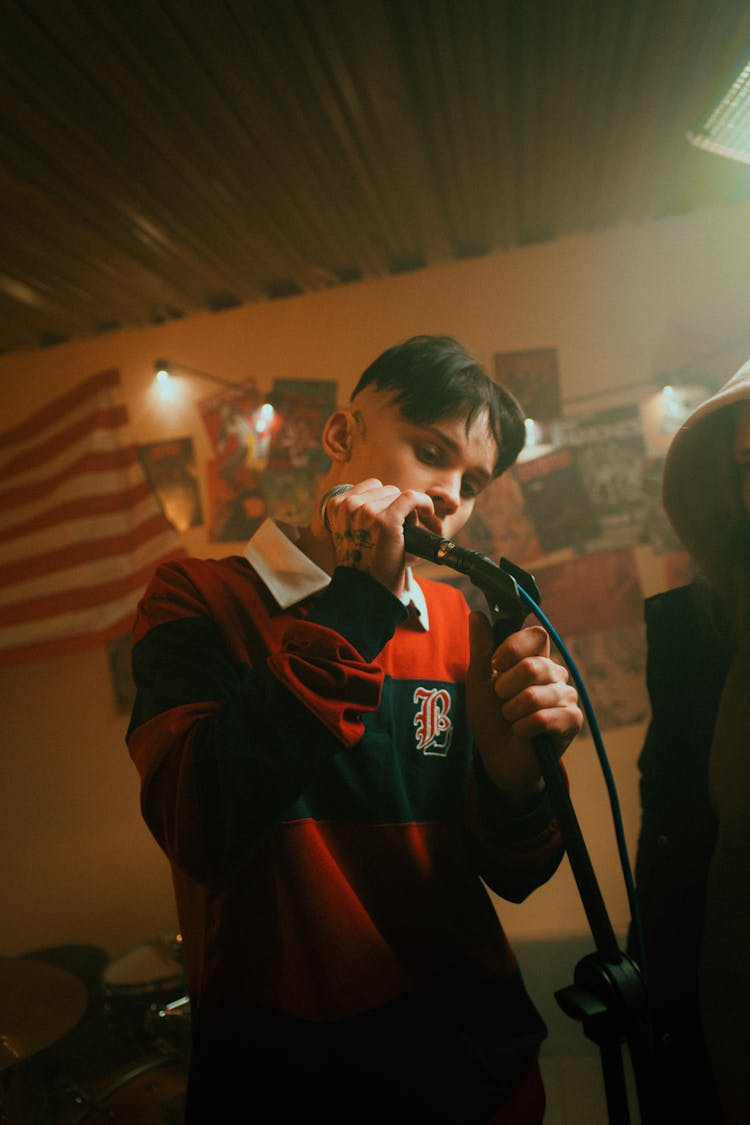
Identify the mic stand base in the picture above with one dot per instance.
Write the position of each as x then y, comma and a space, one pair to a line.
607, 999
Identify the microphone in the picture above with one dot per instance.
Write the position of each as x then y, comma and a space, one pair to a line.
482, 572
426, 545
335, 491
501, 584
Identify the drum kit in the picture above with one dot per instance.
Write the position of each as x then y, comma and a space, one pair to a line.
114, 1047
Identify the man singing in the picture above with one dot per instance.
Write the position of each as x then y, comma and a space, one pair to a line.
333, 754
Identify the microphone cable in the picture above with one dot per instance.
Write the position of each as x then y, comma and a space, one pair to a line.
614, 801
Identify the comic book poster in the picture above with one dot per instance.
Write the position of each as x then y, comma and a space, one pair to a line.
233, 475
237, 507
170, 470
557, 500
531, 376
609, 450
296, 460
268, 454
302, 407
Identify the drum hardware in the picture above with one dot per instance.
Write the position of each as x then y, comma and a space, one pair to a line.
125, 1061
154, 967
176, 1009
170, 1023
150, 1091
139, 985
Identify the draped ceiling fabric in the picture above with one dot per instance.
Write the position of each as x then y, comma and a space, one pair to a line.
159, 157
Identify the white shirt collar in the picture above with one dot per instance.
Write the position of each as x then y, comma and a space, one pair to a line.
291, 576
414, 599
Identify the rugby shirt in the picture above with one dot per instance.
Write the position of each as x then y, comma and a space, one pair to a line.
308, 772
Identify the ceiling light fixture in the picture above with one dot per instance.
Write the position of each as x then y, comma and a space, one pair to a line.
725, 130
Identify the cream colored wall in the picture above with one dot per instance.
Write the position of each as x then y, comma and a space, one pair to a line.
78, 864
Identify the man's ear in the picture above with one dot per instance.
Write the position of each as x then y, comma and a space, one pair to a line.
337, 435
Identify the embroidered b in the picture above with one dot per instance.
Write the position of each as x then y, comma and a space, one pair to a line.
432, 723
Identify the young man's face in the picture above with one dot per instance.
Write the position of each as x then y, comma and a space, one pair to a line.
742, 451
440, 458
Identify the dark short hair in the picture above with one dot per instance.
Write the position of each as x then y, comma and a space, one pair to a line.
434, 377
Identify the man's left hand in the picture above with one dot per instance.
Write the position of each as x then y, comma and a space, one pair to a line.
515, 692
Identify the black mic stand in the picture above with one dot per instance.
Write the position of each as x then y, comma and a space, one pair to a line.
607, 996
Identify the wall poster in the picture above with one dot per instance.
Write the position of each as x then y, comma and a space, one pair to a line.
170, 470
609, 450
531, 376
267, 454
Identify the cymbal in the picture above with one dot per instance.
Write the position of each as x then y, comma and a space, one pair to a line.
38, 1004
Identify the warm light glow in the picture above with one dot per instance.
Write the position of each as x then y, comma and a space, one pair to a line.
538, 440
165, 385
678, 402
531, 431
726, 128
263, 418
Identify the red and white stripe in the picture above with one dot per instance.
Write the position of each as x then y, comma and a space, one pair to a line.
81, 530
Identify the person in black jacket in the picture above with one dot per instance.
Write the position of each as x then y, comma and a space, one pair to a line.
688, 657
693, 859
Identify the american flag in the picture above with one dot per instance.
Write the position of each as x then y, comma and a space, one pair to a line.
80, 528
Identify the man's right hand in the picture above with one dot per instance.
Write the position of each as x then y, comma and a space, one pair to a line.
366, 524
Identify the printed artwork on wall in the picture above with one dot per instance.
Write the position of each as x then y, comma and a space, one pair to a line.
296, 459
233, 475
533, 378
609, 450
302, 406
170, 470
268, 455
558, 500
